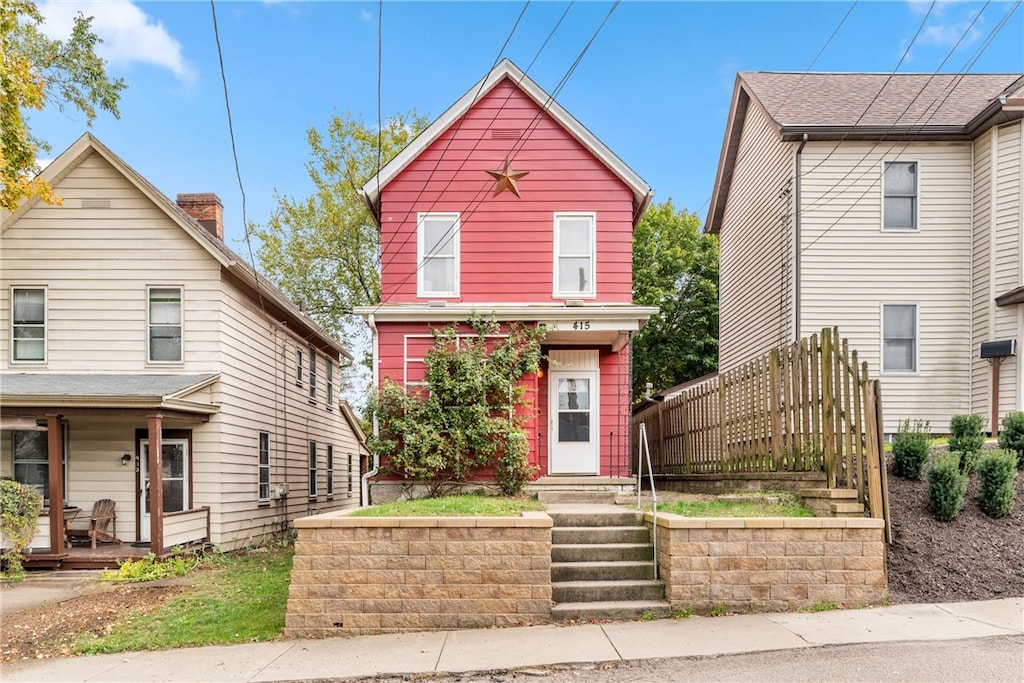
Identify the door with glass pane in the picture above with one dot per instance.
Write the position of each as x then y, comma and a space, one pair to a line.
573, 407
175, 478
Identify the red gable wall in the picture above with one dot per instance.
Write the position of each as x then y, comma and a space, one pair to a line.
506, 241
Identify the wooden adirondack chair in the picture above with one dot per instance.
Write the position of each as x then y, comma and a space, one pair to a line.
103, 517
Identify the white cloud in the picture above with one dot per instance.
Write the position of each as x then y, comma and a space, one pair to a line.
129, 35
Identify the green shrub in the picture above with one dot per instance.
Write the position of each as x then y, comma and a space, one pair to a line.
20, 506
910, 448
967, 438
1012, 436
946, 487
996, 472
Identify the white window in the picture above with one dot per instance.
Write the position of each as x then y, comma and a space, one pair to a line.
165, 324
329, 376
312, 469
264, 466
899, 337
437, 254
28, 324
330, 470
899, 209
298, 367
312, 374
30, 455
575, 255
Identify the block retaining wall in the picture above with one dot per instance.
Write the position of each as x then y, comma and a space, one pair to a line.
366, 575
770, 564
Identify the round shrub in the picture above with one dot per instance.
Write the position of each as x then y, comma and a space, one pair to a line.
1012, 436
967, 438
20, 506
996, 472
946, 487
910, 448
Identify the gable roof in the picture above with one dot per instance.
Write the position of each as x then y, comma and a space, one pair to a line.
865, 106
642, 192
245, 274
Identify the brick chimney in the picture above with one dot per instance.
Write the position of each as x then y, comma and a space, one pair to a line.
206, 208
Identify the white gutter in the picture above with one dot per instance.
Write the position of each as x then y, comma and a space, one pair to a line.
365, 493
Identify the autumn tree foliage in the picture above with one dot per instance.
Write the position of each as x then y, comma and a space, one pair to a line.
36, 72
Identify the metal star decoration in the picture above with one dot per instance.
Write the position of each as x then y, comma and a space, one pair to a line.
507, 178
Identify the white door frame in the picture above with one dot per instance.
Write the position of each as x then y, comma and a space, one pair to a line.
574, 456
143, 483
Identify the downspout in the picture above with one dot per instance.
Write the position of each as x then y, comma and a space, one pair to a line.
365, 480
796, 253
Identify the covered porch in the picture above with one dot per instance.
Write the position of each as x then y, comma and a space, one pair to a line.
125, 440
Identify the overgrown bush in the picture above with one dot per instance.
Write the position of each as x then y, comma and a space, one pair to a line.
946, 487
996, 472
470, 414
20, 506
147, 568
967, 439
910, 448
1012, 436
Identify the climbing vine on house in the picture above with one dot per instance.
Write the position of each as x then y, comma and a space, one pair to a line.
469, 414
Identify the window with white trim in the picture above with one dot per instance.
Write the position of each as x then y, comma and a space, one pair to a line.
30, 456
899, 337
312, 469
299, 364
28, 324
329, 377
437, 254
899, 208
330, 470
312, 374
575, 254
165, 329
264, 466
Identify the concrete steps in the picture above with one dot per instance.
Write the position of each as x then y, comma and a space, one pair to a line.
602, 564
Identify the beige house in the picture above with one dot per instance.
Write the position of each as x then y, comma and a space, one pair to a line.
890, 206
143, 361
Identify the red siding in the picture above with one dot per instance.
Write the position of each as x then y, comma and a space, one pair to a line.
506, 242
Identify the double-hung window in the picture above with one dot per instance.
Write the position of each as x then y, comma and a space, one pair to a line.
165, 324
329, 378
899, 337
264, 466
575, 237
30, 455
437, 254
899, 209
330, 470
312, 469
312, 374
298, 367
28, 324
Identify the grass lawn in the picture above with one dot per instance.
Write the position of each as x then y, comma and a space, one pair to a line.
452, 506
787, 506
234, 598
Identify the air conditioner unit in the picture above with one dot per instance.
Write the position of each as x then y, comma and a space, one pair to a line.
281, 490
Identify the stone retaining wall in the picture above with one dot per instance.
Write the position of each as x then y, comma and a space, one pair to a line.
365, 575
770, 564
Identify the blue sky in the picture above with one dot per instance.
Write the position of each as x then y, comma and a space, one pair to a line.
654, 86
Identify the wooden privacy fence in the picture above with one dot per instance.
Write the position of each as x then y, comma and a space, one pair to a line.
805, 407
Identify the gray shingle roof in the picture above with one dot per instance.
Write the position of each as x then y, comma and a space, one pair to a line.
848, 99
98, 386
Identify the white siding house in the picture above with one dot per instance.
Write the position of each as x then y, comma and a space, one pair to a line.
126, 322
889, 206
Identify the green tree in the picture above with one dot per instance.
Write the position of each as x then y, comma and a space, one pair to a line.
675, 267
36, 71
324, 250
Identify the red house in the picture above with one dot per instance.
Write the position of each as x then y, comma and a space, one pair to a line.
507, 207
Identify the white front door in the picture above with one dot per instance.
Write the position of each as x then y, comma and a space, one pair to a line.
175, 476
574, 410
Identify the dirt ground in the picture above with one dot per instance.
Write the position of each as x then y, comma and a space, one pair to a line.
973, 557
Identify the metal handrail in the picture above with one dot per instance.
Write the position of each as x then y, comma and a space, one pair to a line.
644, 453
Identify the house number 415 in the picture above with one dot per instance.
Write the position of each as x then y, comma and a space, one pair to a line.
581, 325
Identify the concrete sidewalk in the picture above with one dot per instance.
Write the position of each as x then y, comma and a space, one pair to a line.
491, 649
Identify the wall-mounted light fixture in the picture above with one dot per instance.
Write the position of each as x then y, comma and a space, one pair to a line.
125, 459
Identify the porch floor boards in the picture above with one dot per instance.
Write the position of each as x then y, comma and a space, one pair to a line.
103, 556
